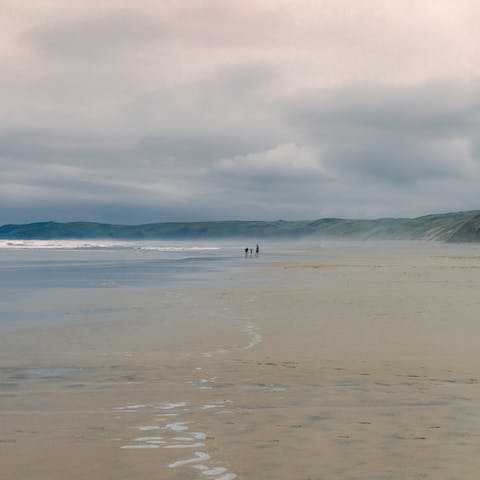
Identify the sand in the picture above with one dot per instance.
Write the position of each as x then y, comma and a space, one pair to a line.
343, 362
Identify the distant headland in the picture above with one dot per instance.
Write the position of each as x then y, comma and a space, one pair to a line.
445, 227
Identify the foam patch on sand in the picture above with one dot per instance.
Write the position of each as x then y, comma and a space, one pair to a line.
131, 408
149, 439
185, 445
219, 351
199, 456
171, 406
209, 406
202, 383
147, 445
214, 471
190, 440
255, 337
177, 426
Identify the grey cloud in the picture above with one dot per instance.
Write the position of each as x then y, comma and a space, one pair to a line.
394, 135
229, 23
428, 109
285, 163
395, 161
190, 149
127, 151
220, 109
200, 149
96, 37
47, 193
241, 80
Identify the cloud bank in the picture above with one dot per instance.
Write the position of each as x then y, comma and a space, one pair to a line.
154, 111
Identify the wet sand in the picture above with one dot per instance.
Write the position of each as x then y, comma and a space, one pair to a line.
338, 363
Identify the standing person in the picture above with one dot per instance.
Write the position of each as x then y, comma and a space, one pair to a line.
246, 252
257, 250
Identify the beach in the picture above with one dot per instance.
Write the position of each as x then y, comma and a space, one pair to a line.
322, 362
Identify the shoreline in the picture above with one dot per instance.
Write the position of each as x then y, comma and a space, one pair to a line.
334, 363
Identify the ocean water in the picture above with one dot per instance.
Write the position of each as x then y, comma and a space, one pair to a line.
28, 266
37, 275
106, 264
32, 270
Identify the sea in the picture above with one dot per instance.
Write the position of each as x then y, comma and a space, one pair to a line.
33, 269
35, 274
108, 264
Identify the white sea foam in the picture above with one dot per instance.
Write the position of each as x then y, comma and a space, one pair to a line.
131, 407
219, 351
148, 439
93, 244
202, 383
146, 445
199, 456
208, 407
185, 445
214, 471
198, 435
228, 476
177, 426
171, 406
149, 427
255, 337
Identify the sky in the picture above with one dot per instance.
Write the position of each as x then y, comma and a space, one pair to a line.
156, 110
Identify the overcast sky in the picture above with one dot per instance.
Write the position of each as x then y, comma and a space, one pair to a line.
159, 110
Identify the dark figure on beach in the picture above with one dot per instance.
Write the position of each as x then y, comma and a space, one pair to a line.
251, 252
257, 250
246, 252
